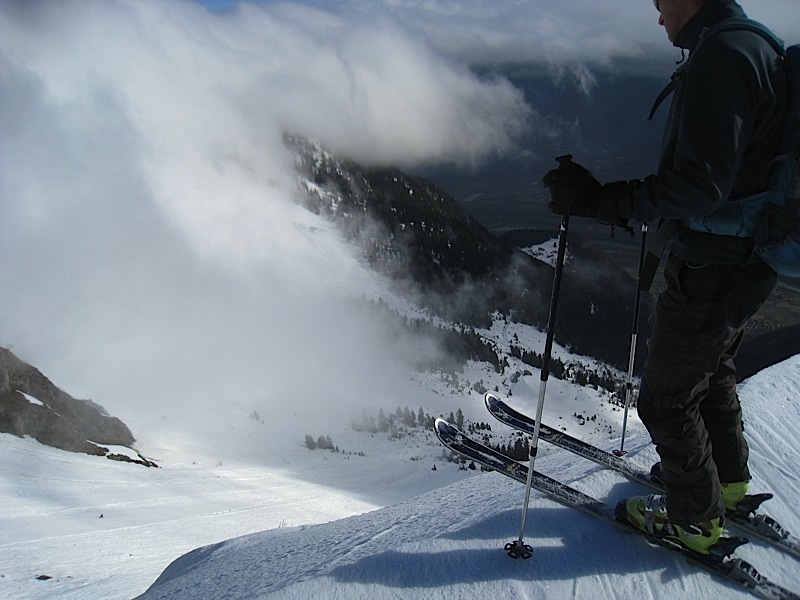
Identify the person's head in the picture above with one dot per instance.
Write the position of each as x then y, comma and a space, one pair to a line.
674, 14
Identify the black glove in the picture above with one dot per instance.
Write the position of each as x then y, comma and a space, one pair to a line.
573, 189
614, 197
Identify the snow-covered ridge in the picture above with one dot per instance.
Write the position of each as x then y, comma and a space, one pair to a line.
547, 252
448, 543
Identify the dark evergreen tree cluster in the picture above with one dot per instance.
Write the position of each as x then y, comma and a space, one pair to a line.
602, 380
464, 345
323, 442
395, 423
536, 360
518, 450
478, 427
403, 419
583, 419
463, 463
577, 373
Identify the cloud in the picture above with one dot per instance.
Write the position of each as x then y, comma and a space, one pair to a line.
152, 250
153, 256
480, 32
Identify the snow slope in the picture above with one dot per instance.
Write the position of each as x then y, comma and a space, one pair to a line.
448, 543
381, 525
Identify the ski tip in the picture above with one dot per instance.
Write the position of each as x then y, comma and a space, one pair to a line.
491, 400
442, 426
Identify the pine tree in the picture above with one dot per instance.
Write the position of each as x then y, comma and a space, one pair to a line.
383, 424
518, 450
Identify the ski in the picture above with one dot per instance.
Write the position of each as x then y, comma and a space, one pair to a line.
719, 563
746, 517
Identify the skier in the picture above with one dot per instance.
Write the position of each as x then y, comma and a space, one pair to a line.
721, 136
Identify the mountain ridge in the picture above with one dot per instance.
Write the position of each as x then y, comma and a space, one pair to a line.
408, 228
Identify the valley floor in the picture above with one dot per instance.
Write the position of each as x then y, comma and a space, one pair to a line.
76, 526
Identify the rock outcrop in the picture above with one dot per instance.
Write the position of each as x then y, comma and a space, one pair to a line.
31, 405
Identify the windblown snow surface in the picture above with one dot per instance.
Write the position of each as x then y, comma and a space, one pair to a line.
378, 526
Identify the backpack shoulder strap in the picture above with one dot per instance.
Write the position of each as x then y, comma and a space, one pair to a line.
668, 89
730, 24
744, 24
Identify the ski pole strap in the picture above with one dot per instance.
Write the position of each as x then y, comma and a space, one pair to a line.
669, 88
666, 229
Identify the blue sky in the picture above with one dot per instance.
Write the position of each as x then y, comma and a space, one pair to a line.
218, 4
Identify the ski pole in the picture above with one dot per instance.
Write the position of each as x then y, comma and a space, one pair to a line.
518, 548
634, 335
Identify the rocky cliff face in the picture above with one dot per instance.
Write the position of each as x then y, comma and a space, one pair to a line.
31, 405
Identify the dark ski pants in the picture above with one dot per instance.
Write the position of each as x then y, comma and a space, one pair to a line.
688, 398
